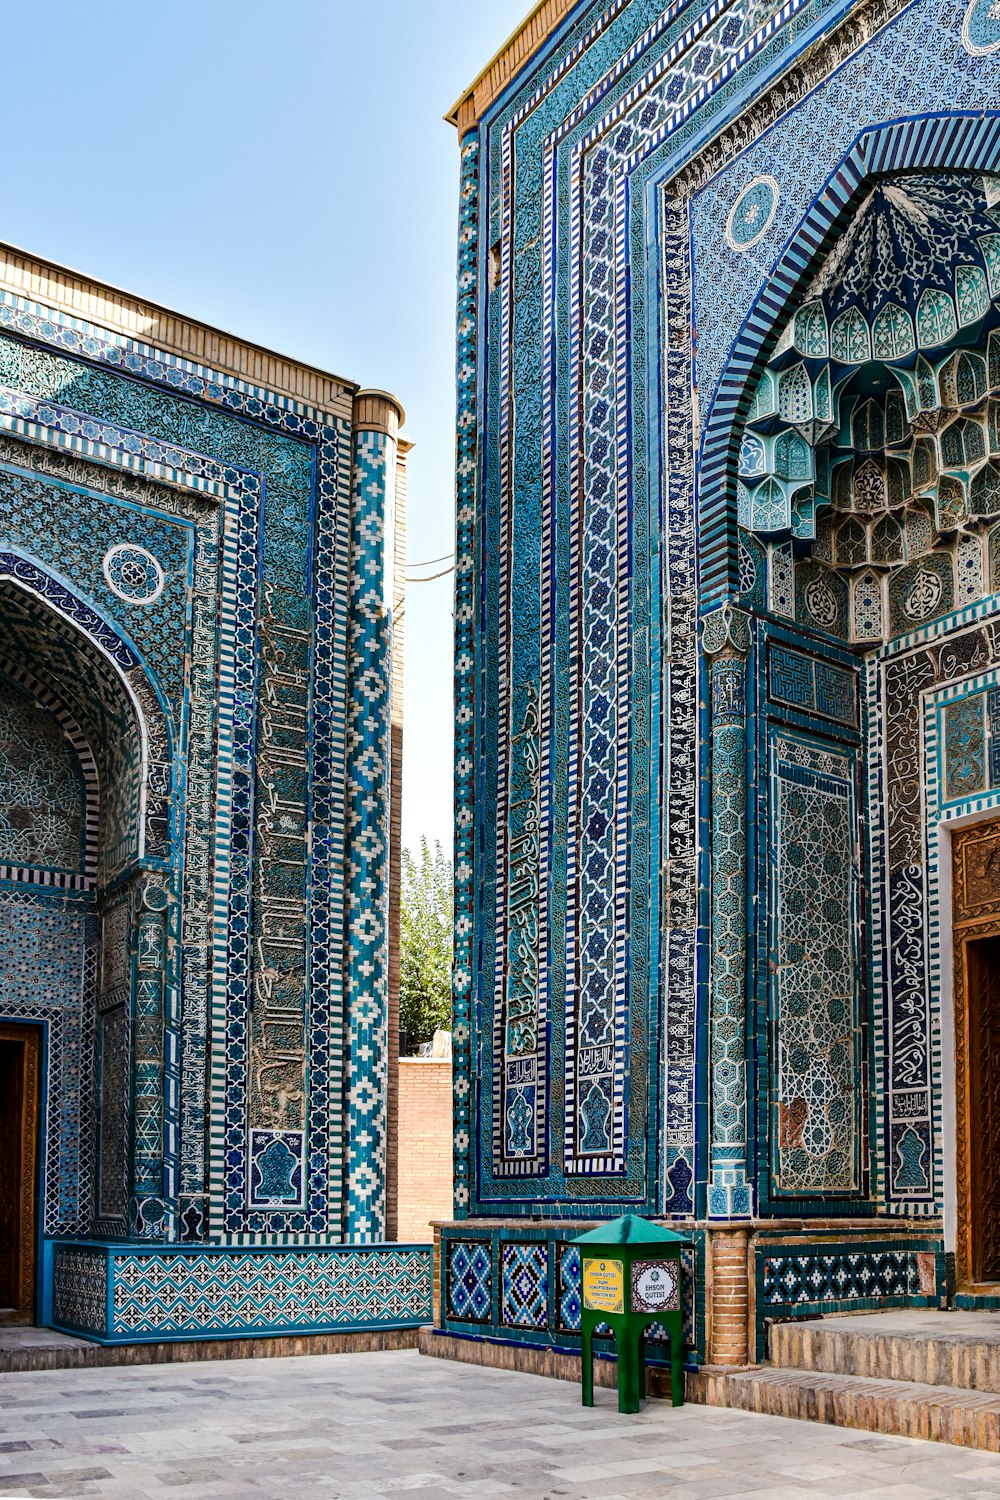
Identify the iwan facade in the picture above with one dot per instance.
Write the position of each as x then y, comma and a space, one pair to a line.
728, 659
198, 544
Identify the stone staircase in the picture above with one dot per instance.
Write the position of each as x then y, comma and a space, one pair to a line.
909, 1374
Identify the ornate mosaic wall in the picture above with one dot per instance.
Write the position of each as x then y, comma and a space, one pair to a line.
195, 671
136, 1295
794, 1278
524, 1284
698, 921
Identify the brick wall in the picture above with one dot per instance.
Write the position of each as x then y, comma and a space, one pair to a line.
423, 1157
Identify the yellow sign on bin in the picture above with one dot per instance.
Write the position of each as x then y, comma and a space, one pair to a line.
604, 1286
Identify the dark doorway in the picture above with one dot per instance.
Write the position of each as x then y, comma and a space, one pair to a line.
19, 1075
983, 969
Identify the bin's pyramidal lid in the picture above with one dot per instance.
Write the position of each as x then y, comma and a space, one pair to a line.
630, 1230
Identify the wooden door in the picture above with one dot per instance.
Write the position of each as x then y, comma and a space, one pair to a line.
19, 1094
982, 967
976, 871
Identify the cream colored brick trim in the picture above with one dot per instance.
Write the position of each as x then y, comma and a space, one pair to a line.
70, 292
378, 411
529, 37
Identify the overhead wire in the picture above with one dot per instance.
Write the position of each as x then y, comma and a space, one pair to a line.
431, 576
429, 563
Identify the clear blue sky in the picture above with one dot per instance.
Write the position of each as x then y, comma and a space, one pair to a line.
283, 172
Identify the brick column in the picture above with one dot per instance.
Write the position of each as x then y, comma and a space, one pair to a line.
729, 1329
437, 1296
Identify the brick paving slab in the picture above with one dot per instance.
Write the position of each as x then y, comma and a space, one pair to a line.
392, 1424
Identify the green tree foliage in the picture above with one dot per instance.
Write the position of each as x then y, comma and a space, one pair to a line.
425, 921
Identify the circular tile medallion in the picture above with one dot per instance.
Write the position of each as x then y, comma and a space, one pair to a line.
981, 27
133, 573
751, 215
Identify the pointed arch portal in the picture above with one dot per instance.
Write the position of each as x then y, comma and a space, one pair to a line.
83, 832
831, 317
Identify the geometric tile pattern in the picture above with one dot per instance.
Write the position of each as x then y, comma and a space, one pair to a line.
726, 641
228, 1292
846, 1276
812, 685
368, 772
524, 1285
80, 1289
467, 460
569, 1310
470, 1280
815, 1015
113, 1112
48, 976
524, 1269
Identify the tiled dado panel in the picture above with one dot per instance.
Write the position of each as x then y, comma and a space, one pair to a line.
118, 1294
794, 1278
524, 1286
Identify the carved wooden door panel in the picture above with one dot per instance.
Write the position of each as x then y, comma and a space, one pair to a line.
976, 872
983, 970
19, 1059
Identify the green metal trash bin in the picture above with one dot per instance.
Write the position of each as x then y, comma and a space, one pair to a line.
630, 1277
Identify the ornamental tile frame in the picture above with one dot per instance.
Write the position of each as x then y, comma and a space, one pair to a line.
220, 570
971, 638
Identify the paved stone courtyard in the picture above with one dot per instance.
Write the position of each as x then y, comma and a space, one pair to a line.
365, 1425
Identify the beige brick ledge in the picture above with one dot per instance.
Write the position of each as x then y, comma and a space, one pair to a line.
40, 1349
121, 312
532, 1359
517, 50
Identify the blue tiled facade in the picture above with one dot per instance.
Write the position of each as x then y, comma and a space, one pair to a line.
196, 622
726, 650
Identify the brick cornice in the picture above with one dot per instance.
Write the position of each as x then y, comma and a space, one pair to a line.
517, 50
120, 312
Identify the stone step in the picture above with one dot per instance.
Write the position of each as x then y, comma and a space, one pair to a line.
896, 1408
960, 1349
24, 1349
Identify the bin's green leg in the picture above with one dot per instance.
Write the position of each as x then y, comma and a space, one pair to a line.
587, 1357
643, 1376
628, 1370
676, 1362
